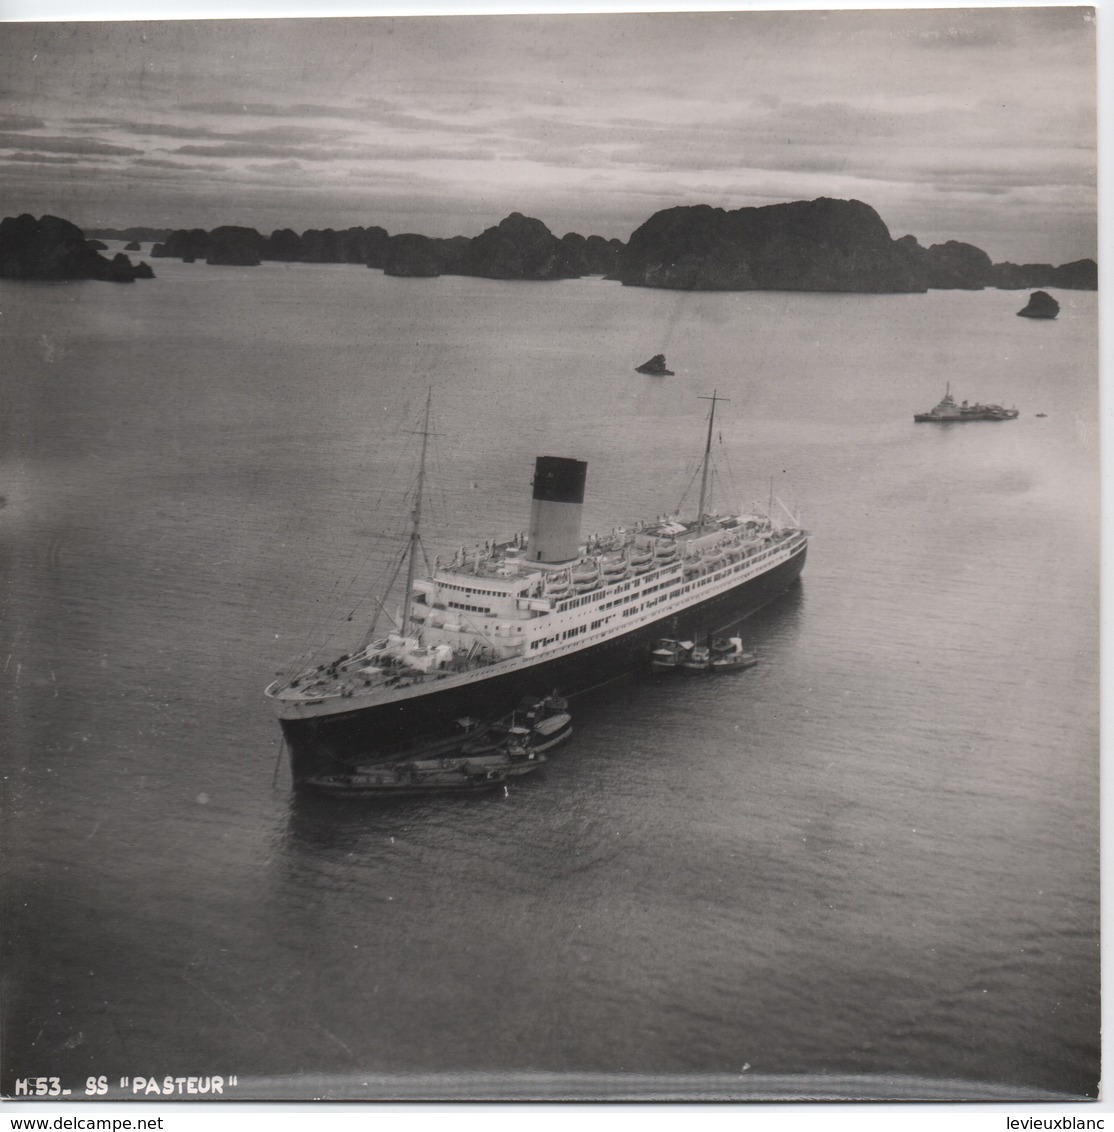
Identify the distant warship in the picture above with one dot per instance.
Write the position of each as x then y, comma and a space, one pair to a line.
946, 411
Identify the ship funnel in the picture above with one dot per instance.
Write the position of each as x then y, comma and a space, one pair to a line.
555, 514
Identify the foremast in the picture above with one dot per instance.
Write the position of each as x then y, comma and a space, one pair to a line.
416, 520
707, 459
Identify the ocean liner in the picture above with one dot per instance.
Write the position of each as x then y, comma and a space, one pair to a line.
541, 612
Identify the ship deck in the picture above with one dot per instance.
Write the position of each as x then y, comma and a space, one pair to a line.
653, 561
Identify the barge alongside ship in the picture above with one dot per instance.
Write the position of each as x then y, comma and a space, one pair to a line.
530, 615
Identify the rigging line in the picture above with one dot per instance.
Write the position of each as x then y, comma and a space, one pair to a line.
325, 627
360, 569
306, 650
388, 531
371, 631
374, 623
278, 762
695, 466
722, 464
425, 558
330, 615
475, 628
330, 609
440, 479
375, 588
407, 553
326, 612
732, 486
789, 511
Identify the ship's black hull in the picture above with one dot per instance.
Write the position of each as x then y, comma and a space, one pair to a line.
928, 418
330, 743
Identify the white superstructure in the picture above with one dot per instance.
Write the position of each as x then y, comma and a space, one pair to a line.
491, 610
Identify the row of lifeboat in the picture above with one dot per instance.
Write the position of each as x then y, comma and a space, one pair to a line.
719, 557
590, 573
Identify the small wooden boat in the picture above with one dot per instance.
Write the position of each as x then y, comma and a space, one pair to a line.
729, 655
524, 743
668, 655
719, 656
531, 715
698, 660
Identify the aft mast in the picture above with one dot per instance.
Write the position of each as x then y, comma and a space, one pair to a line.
416, 521
707, 458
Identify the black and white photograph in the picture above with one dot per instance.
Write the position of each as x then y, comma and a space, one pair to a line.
551, 557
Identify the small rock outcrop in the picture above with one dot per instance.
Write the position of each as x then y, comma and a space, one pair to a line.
133, 246
655, 366
1041, 305
52, 248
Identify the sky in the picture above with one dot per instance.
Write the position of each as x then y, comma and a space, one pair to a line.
973, 124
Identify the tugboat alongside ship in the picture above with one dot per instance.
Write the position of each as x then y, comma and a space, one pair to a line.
687, 656
514, 618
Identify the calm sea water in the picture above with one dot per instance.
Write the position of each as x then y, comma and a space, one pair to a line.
868, 867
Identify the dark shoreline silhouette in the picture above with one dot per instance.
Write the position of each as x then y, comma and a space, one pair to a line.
819, 245
54, 249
